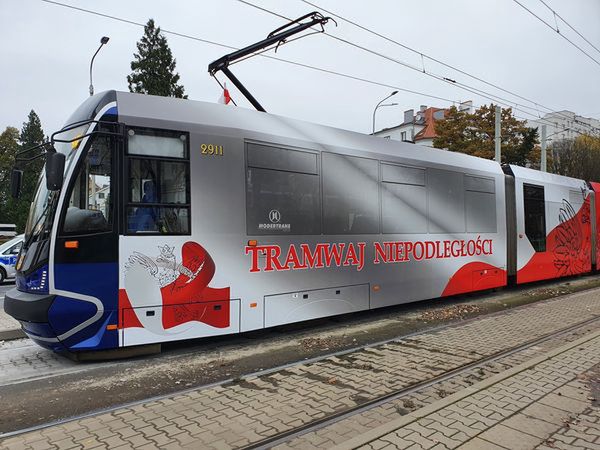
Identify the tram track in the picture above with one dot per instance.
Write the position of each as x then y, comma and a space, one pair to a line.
322, 422
318, 424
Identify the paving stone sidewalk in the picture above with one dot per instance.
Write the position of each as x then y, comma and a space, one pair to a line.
254, 408
7, 322
546, 403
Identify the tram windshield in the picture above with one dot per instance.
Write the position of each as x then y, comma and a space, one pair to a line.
42, 208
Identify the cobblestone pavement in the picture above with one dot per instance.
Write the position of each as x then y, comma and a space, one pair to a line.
254, 408
545, 403
22, 360
7, 322
358, 424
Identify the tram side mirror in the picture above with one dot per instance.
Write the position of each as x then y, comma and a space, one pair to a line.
55, 166
16, 180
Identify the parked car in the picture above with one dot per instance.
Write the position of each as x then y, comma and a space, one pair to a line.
9, 252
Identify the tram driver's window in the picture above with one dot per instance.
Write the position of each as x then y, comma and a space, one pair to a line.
158, 182
90, 203
535, 216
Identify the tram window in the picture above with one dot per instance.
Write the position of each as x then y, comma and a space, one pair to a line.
281, 202
158, 219
88, 211
158, 192
350, 195
267, 157
535, 216
155, 181
158, 143
393, 173
404, 199
445, 201
404, 208
480, 204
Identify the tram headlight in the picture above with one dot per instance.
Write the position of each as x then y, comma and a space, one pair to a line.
36, 282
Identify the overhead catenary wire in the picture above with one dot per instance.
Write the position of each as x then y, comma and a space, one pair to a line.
274, 58
570, 26
270, 57
438, 61
494, 98
557, 32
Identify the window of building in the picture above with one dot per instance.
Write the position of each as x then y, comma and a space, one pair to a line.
350, 194
445, 201
85, 213
480, 204
404, 199
438, 115
158, 182
535, 216
403, 136
283, 193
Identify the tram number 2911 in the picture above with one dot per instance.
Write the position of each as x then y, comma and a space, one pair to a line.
212, 149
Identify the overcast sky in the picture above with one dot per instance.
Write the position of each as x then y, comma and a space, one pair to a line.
46, 50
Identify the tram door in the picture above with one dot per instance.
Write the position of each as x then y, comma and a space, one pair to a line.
86, 273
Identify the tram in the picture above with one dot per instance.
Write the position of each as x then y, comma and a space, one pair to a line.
167, 219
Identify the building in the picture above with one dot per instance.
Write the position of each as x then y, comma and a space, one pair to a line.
419, 128
565, 124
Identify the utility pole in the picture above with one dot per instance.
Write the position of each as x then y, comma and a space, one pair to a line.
543, 158
497, 137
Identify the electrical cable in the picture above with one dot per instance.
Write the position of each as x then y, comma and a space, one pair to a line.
489, 96
295, 63
557, 31
570, 26
274, 58
423, 55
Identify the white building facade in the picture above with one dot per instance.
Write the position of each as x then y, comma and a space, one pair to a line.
419, 128
565, 124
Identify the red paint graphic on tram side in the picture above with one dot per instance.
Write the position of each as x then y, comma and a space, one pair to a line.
596, 188
187, 298
568, 247
475, 276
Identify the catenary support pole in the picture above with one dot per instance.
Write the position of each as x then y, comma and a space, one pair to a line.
498, 156
543, 158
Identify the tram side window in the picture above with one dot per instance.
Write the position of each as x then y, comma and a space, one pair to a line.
158, 183
535, 216
90, 202
404, 199
446, 201
350, 194
282, 191
480, 204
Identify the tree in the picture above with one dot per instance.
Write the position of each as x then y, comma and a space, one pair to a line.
473, 134
577, 158
11, 141
153, 69
9, 145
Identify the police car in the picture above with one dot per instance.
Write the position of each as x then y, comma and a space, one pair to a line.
9, 252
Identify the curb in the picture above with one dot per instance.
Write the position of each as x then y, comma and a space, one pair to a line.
427, 410
12, 334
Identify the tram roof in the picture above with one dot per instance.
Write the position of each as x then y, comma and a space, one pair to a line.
139, 109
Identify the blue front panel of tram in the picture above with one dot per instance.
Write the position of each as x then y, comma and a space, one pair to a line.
98, 280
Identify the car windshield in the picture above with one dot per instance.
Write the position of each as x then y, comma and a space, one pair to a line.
42, 207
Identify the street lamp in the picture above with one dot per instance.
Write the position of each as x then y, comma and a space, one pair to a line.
378, 105
103, 41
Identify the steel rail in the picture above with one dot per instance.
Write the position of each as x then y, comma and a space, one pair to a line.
330, 419
335, 417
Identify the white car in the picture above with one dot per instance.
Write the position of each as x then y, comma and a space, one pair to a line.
9, 252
